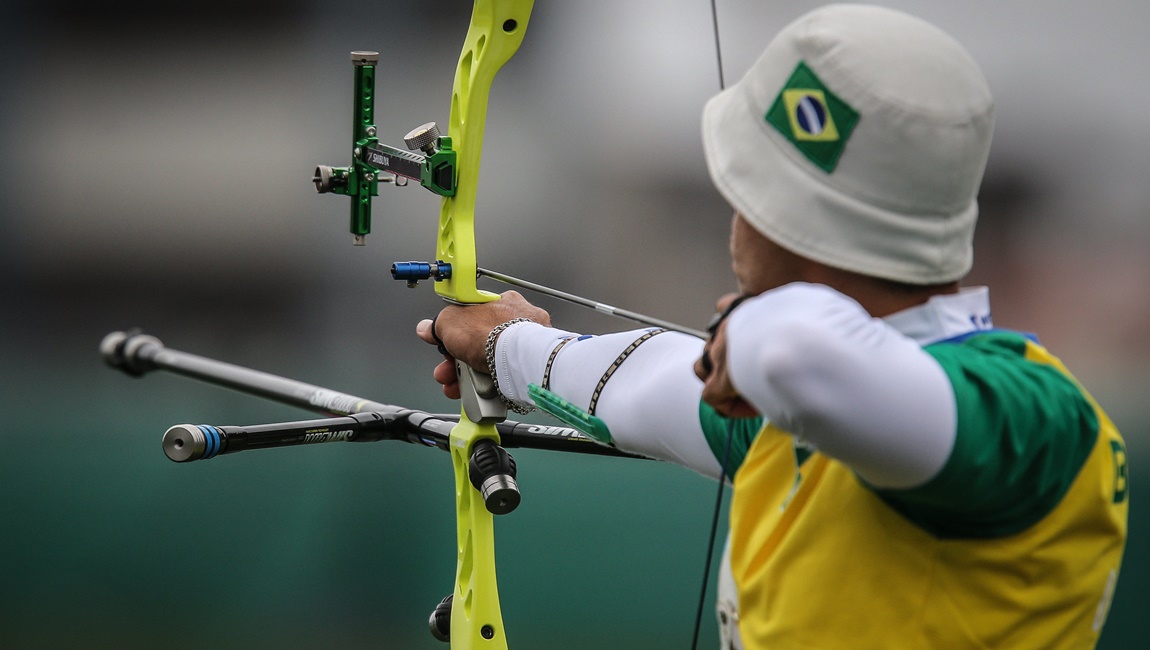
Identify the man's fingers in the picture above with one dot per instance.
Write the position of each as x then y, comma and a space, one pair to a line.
711, 367
466, 330
444, 373
735, 407
725, 301
703, 365
423, 330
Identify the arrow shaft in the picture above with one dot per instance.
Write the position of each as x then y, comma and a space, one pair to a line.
592, 304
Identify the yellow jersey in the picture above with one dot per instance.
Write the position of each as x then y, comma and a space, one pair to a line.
1016, 543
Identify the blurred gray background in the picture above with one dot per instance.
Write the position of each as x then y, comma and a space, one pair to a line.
155, 166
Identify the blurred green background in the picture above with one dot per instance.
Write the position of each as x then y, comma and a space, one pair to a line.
156, 173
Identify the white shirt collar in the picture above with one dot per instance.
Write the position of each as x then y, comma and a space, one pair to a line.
945, 316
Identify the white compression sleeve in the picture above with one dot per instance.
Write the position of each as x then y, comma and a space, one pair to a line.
817, 365
651, 402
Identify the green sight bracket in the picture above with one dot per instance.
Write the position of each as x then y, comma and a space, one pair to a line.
433, 167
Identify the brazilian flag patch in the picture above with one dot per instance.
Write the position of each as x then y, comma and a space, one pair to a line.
813, 118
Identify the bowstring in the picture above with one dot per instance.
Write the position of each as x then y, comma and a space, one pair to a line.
714, 534
730, 422
718, 47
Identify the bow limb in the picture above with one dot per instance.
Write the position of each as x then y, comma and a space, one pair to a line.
494, 35
496, 30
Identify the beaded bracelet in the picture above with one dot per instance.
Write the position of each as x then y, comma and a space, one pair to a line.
489, 351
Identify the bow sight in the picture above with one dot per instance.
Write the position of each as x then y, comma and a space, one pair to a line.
433, 169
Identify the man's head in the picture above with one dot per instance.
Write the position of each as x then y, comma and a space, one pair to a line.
858, 140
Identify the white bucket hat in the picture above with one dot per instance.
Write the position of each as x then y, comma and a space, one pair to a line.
858, 139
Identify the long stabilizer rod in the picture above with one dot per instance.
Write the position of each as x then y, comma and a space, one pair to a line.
137, 353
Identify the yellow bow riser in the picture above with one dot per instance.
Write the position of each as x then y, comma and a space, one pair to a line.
494, 35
